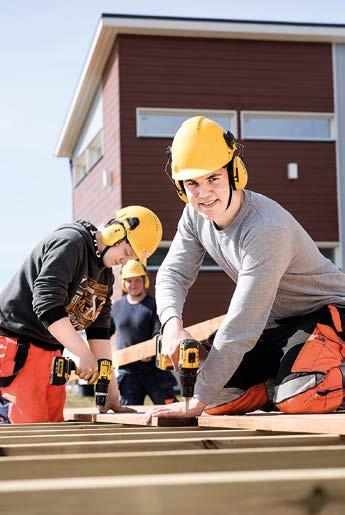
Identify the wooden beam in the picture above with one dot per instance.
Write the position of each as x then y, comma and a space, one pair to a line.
94, 436
287, 492
147, 349
326, 423
167, 444
94, 428
136, 419
173, 462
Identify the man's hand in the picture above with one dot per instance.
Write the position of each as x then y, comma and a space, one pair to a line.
88, 366
176, 409
173, 333
113, 400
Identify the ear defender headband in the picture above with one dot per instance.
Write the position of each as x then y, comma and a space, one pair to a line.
116, 231
238, 176
178, 185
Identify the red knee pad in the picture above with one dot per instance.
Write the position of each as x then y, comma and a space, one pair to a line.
326, 397
252, 399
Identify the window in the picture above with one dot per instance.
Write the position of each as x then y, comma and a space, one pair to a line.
154, 262
288, 126
83, 163
330, 250
163, 123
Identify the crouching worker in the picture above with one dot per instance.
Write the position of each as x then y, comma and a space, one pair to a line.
64, 286
282, 340
135, 320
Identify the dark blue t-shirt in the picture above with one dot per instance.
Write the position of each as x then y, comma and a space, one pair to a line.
135, 323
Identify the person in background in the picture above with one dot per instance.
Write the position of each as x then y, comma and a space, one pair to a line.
63, 287
135, 320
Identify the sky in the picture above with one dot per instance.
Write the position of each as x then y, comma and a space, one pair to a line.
43, 46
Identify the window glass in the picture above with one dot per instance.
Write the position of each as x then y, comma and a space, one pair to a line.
291, 127
328, 252
164, 123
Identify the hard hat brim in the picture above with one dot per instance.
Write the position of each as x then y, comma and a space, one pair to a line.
191, 173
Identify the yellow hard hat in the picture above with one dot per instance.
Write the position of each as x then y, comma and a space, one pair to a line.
199, 148
133, 268
142, 228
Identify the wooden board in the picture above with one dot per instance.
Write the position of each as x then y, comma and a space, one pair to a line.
147, 349
136, 419
166, 444
326, 423
287, 492
89, 436
173, 462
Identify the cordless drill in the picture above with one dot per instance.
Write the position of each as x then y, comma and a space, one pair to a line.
188, 365
61, 370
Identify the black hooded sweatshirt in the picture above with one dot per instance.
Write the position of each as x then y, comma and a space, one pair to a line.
63, 276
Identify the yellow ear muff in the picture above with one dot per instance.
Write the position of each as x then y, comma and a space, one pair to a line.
180, 191
239, 174
113, 233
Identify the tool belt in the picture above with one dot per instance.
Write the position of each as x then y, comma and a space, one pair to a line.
23, 345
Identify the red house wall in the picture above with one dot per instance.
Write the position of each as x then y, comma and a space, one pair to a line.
193, 73
93, 201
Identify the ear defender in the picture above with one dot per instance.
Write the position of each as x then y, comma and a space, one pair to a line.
178, 185
116, 231
113, 233
238, 174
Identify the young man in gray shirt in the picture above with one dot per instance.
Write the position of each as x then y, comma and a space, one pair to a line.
281, 342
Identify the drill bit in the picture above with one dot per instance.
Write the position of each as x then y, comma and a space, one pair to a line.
186, 406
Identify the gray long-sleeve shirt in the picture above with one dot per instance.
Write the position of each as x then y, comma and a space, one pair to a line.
278, 269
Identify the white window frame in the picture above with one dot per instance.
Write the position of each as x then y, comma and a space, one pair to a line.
320, 244
287, 114
84, 163
166, 244
233, 127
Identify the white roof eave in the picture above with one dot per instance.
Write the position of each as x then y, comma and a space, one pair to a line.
111, 25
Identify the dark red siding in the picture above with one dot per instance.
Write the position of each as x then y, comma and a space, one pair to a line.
235, 75
194, 73
208, 297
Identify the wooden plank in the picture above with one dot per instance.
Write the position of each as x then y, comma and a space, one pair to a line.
136, 419
287, 492
94, 428
173, 462
326, 423
122, 435
168, 444
43, 425
147, 349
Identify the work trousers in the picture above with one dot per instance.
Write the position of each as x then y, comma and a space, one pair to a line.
294, 368
157, 384
29, 397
